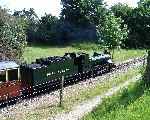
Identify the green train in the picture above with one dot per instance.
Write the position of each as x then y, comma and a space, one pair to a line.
71, 65
45, 73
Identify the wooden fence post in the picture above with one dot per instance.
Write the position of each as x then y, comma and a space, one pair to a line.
61, 91
145, 58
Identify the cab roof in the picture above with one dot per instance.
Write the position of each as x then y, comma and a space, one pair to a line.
8, 65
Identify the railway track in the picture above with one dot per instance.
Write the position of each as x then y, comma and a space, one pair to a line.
73, 79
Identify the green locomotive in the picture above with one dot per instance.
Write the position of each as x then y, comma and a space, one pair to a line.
44, 75
71, 64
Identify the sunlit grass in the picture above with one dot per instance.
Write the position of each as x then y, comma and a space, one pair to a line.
125, 54
132, 103
100, 88
82, 94
37, 51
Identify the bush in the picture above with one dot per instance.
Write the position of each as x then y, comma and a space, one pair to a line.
12, 37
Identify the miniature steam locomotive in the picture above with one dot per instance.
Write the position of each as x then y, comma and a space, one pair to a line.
45, 73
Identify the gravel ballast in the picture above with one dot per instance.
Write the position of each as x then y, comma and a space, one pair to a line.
21, 109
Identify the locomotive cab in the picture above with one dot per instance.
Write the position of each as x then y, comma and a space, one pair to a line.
102, 60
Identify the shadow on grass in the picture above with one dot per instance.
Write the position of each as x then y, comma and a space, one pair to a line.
45, 46
121, 99
85, 45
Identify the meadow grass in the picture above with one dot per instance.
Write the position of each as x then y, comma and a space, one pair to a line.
125, 54
131, 103
81, 95
37, 51
100, 88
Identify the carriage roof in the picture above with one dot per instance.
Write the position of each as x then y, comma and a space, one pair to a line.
8, 65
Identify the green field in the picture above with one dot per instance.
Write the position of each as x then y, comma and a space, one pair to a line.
37, 51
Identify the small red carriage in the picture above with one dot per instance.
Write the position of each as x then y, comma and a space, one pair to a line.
10, 81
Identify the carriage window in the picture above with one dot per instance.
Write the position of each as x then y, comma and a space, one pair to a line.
13, 74
2, 76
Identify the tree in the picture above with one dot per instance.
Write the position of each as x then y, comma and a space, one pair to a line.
31, 22
12, 36
112, 35
47, 30
138, 22
122, 10
82, 16
82, 12
139, 25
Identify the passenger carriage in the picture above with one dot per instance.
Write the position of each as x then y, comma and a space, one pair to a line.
10, 80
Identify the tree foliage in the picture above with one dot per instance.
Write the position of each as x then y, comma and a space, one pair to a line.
138, 22
139, 25
47, 30
89, 20
82, 16
30, 21
112, 34
12, 36
83, 12
122, 10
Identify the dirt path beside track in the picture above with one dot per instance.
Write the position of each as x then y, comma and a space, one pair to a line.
87, 106
20, 110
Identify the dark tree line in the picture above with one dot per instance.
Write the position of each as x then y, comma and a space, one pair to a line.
138, 22
79, 20
88, 20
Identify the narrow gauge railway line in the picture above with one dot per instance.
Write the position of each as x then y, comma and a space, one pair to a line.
73, 79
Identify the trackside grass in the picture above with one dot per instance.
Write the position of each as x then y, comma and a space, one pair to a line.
79, 95
37, 51
132, 103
